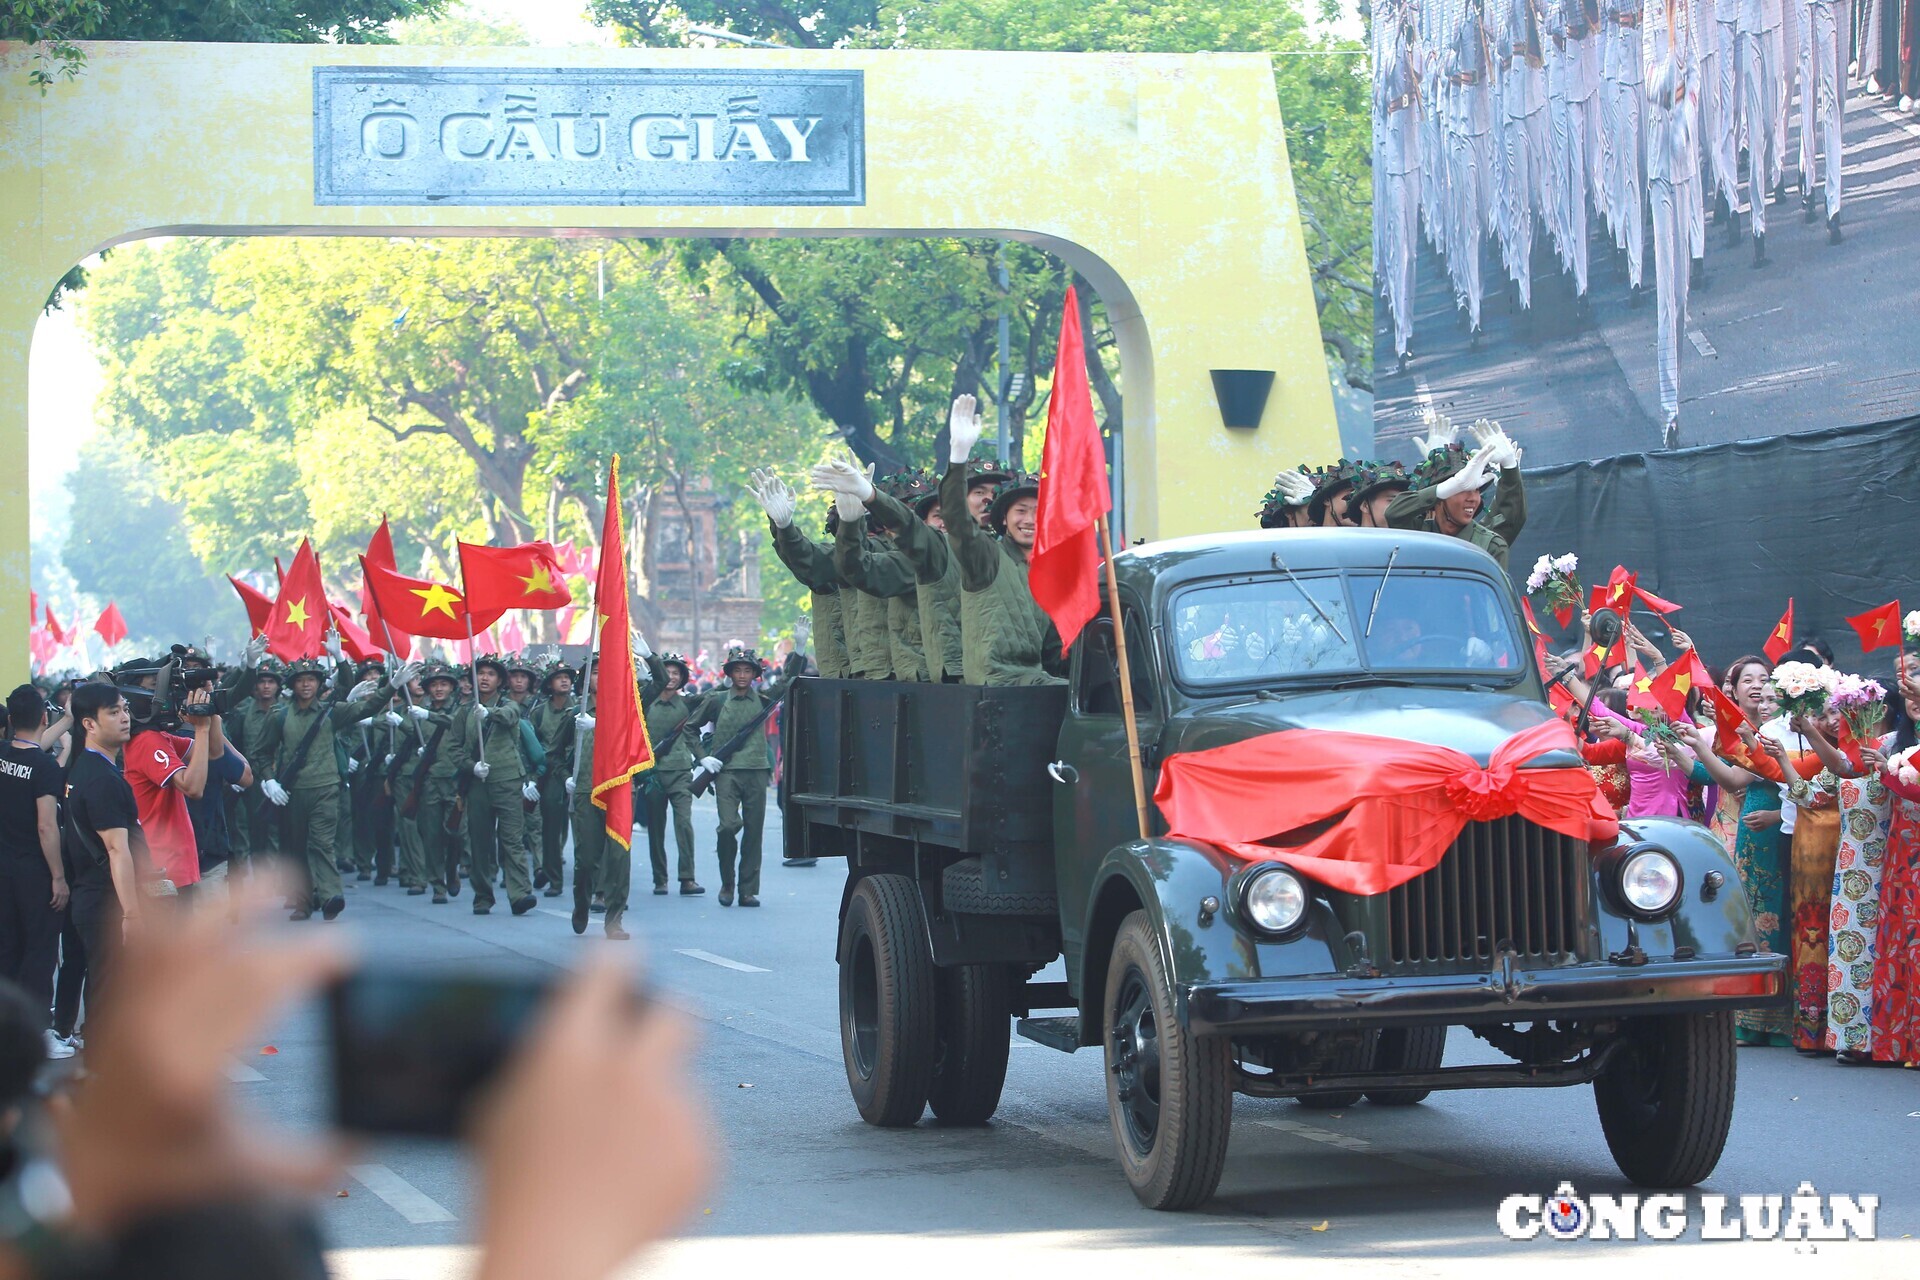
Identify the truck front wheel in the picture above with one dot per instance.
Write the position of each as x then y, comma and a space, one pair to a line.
1169, 1092
887, 1001
974, 1022
1666, 1102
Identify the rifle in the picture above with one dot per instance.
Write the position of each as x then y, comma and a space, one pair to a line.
702, 780
412, 804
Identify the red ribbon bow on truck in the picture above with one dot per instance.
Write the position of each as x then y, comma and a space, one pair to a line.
1365, 814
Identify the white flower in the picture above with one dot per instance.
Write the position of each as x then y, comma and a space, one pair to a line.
1542, 570
1566, 564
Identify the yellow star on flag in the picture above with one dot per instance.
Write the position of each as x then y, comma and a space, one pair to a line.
1780, 632
1880, 626
1600, 652
436, 599
1644, 684
1682, 683
297, 612
539, 582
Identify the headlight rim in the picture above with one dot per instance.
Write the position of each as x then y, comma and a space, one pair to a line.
1243, 890
1626, 858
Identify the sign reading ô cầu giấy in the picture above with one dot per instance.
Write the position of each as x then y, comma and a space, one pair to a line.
593, 136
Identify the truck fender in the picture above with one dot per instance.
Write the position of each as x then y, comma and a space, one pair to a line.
1713, 920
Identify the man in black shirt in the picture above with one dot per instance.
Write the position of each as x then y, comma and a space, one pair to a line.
33, 881
103, 823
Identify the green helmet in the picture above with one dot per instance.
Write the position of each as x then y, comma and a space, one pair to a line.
306, 667
1013, 487
1440, 465
1327, 485
493, 660
738, 656
1370, 478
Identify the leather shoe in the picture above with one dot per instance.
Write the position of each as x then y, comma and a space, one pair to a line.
539, 878
524, 903
660, 891
749, 900
482, 908
691, 888
333, 906
726, 896
614, 931
579, 917
301, 913
553, 889
439, 898
414, 891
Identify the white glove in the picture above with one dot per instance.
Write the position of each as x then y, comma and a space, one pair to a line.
849, 507
964, 426
332, 645
530, 791
353, 766
388, 762
481, 769
1295, 486
583, 721
774, 497
640, 646
1472, 476
274, 792
394, 718
403, 674
570, 786
364, 689
418, 712
256, 649
843, 475
712, 764
482, 710
1440, 433
1501, 450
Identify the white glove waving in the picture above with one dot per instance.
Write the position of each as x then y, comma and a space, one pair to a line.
964, 426
256, 649
388, 762
640, 646
849, 507
274, 792
530, 790
583, 721
1295, 486
332, 646
843, 475
1471, 476
362, 690
394, 718
418, 712
712, 764
481, 769
570, 786
403, 675
1440, 433
774, 497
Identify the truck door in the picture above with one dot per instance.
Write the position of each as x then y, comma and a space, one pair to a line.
1093, 787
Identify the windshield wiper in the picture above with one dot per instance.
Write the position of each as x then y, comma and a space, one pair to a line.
1384, 575
1354, 682
1281, 565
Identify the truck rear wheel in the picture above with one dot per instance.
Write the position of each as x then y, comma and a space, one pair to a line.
974, 1017
887, 1001
1407, 1049
1169, 1092
1667, 1102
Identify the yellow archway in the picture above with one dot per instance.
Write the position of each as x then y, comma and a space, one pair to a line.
1163, 179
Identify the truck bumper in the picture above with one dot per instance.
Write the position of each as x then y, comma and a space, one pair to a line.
1273, 1005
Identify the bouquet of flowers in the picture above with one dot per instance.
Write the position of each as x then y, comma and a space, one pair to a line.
1910, 626
1901, 765
1655, 727
1803, 689
1860, 702
1553, 584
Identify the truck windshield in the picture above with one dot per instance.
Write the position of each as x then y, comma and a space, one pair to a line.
1276, 627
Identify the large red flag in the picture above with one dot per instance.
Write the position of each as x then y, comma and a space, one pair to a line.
61, 636
259, 608
1780, 639
620, 746
297, 626
528, 576
1878, 628
384, 633
110, 626
1064, 571
421, 607
354, 641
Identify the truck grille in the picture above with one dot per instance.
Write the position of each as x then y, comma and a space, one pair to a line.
1506, 881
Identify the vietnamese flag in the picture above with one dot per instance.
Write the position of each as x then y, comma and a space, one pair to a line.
620, 746
1878, 628
259, 608
354, 641
110, 626
1727, 718
1064, 569
1669, 689
421, 607
528, 576
1781, 638
380, 552
61, 636
297, 625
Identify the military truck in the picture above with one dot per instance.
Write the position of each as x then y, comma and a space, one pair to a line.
990, 831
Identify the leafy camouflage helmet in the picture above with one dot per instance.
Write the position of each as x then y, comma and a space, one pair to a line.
558, 667
494, 660
438, 671
1329, 485
1439, 465
523, 664
1274, 507
1370, 479
738, 656
686, 668
306, 667
1017, 485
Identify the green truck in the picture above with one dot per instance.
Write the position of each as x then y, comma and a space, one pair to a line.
989, 832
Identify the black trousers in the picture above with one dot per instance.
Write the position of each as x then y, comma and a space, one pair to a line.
29, 929
96, 912
71, 982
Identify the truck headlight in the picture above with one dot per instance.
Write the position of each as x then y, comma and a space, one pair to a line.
1650, 881
1273, 899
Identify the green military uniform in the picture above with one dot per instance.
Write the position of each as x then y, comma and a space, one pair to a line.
875, 569
410, 853
312, 782
740, 792
937, 573
246, 728
1493, 530
599, 864
812, 564
668, 786
496, 826
553, 726
359, 784
435, 771
1006, 638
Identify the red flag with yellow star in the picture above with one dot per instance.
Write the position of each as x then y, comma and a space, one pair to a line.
528, 576
620, 745
1780, 639
1668, 689
1878, 628
421, 607
298, 623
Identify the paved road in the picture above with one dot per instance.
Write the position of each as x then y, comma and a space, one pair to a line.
1809, 341
808, 1187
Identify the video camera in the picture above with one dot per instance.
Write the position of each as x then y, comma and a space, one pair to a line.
175, 684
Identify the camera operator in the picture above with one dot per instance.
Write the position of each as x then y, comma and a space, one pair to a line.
166, 770
33, 880
103, 823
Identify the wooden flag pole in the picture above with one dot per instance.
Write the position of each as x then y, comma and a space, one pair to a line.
1126, 678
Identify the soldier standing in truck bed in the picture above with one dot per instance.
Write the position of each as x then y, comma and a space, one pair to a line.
811, 563
916, 556
875, 566
1445, 497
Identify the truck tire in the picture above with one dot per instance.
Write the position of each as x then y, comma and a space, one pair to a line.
1407, 1049
1667, 1102
964, 889
973, 1027
887, 1001
1169, 1092
1355, 1057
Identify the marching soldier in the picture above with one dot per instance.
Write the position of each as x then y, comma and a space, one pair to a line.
433, 779
1672, 166
552, 719
522, 676
404, 742
361, 783
1445, 494
740, 787
599, 864
487, 750
1758, 30
1470, 154
812, 564
668, 786
247, 728
1627, 185
302, 772
1823, 103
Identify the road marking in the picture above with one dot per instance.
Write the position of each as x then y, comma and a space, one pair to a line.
549, 911
407, 1200
240, 1073
1700, 343
697, 954
1348, 1142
